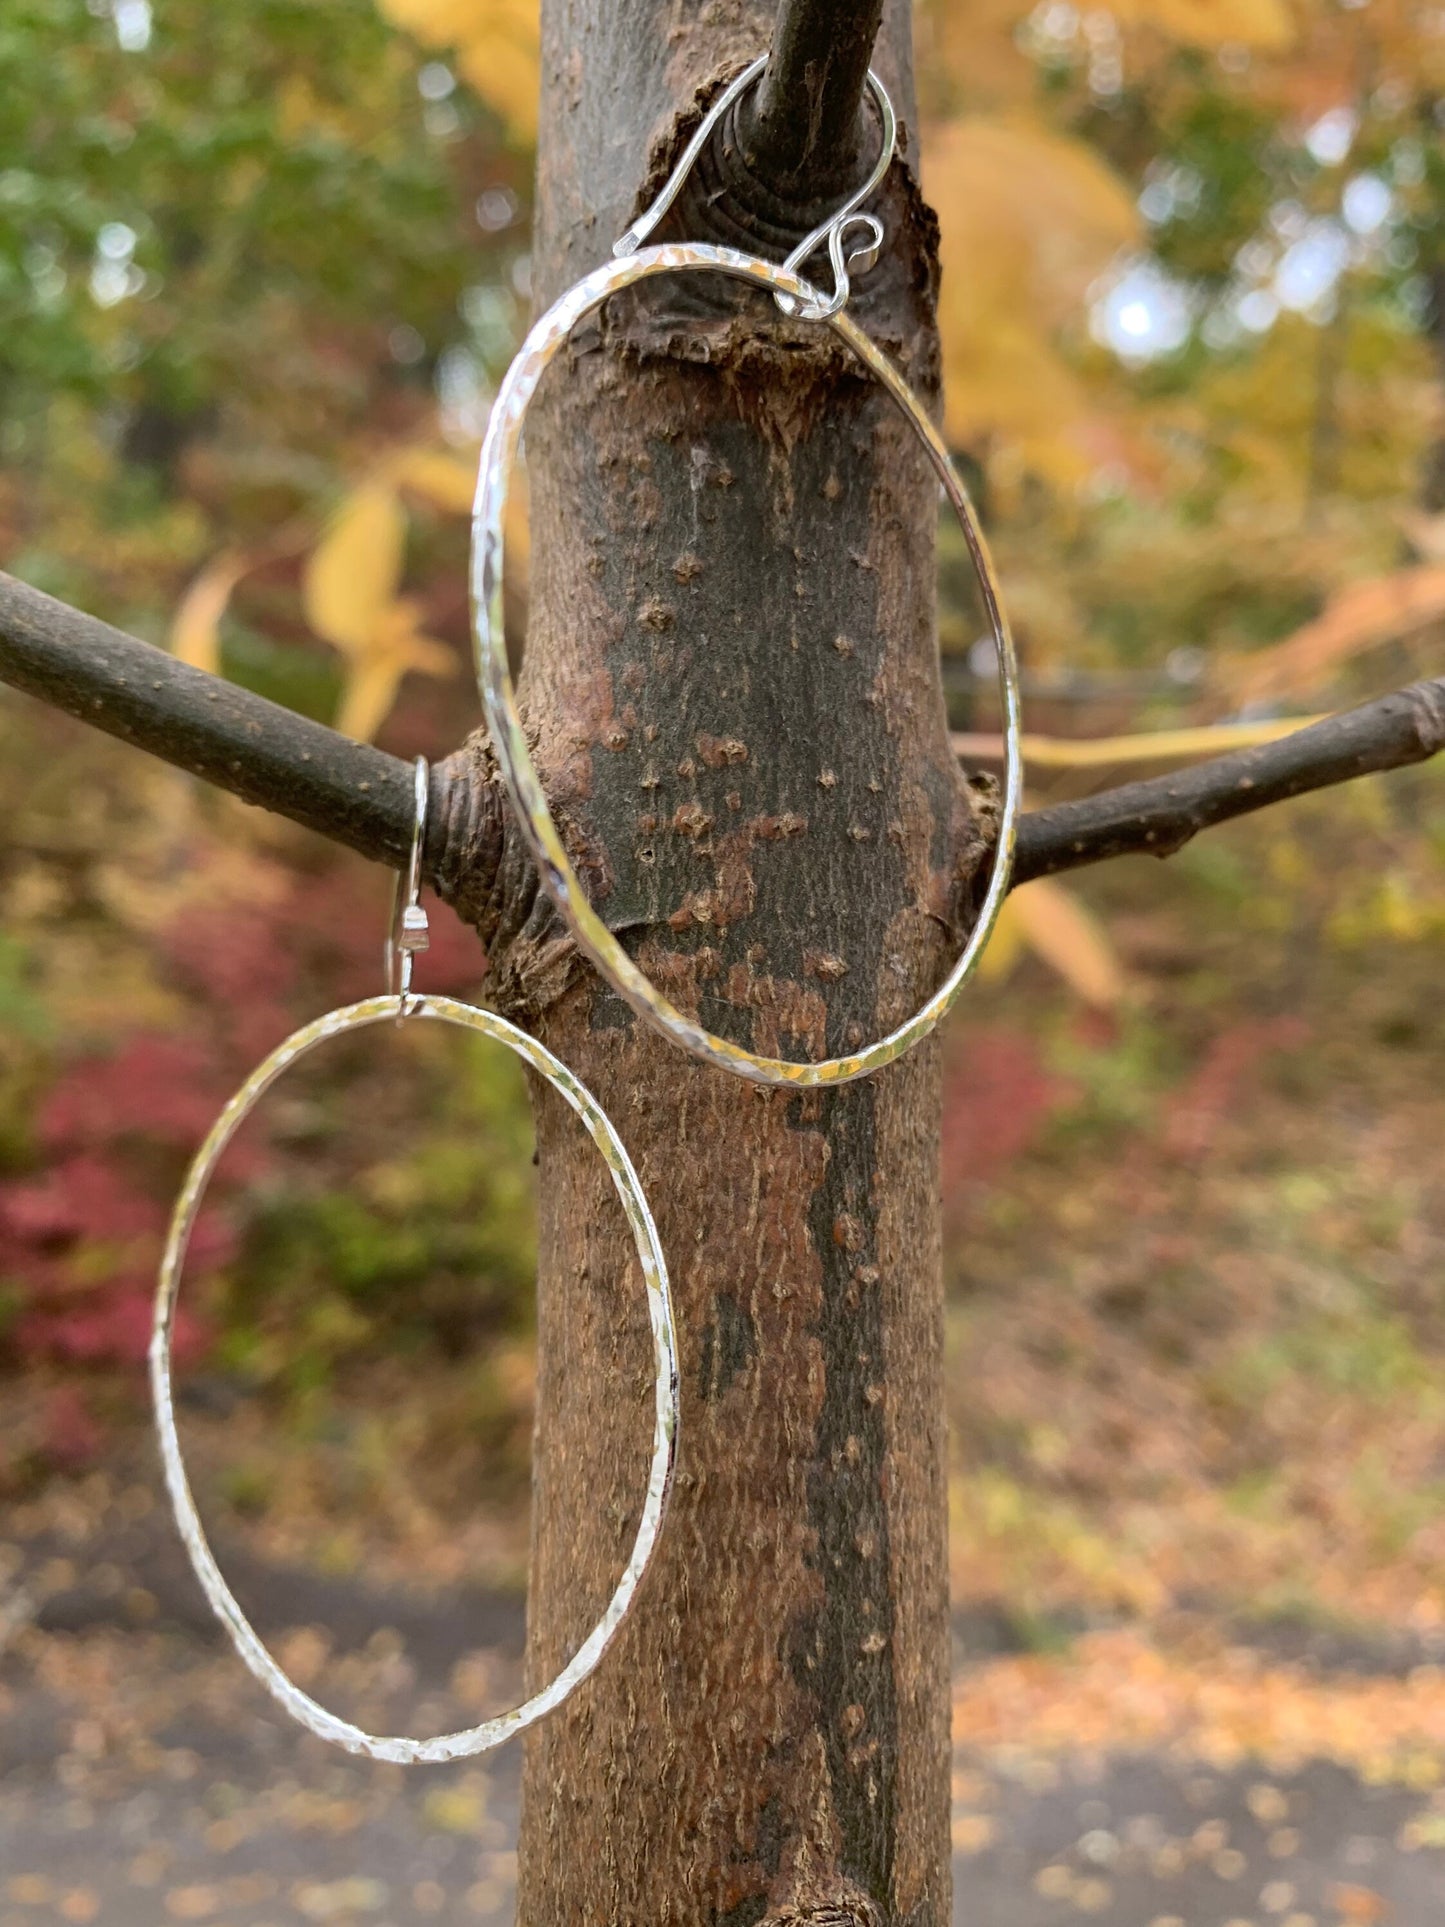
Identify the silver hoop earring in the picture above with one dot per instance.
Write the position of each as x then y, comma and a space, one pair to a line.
795, 296
402, 1005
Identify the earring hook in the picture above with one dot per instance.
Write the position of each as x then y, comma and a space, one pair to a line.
410, 930
832, 231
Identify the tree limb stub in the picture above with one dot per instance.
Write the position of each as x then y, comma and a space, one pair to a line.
362, 797
262, 752
259, 750
803, 126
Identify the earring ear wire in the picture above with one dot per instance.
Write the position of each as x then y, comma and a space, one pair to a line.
408, 934
410, 928
832, 231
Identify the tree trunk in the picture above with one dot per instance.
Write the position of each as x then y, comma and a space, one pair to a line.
731, 670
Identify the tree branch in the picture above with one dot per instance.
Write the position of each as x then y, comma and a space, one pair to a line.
258, 750
1160, 815
802, 128
362, 797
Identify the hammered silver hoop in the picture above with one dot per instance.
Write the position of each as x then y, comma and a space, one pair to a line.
499, 453
243, 1636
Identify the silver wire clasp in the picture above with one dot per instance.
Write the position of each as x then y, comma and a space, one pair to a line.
860, 257
410, 930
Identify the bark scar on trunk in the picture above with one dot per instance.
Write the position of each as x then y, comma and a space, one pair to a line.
854, 1910
723, 201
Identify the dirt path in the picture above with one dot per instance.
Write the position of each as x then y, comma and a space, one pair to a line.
144, 1778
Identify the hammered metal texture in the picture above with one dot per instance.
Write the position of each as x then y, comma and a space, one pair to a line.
499, 453
490, 1733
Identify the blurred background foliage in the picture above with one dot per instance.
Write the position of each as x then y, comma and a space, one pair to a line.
261, 267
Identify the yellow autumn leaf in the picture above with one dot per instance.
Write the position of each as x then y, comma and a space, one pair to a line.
517, 535
447, 23
1029, 220
1074, 202
1006, 378
352, 574
445, 480
450, 482
1359, 617
496, 46
1059, 928
196, 627
504, 73
1044, 917
1005, 945
976, 50
1265, 24
396, 647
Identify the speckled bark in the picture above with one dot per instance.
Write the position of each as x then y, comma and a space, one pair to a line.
731, 674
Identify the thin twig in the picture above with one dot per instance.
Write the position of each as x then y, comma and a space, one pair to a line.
1160, 815
1146, 746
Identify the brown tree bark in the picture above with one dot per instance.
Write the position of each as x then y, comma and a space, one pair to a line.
731, 670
